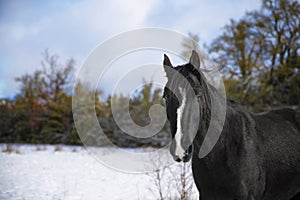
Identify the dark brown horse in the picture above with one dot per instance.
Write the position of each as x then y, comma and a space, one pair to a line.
257, 156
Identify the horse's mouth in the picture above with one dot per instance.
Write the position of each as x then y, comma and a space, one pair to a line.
186, 158
182, 160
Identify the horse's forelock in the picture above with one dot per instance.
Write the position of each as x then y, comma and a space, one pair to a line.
195, 79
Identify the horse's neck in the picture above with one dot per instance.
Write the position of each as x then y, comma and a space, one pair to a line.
211, 110
232, 133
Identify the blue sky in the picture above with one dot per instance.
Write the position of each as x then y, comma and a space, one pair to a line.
73, 28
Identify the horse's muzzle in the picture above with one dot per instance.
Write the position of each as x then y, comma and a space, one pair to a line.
187, 155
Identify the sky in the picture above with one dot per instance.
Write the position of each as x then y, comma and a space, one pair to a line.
73, 28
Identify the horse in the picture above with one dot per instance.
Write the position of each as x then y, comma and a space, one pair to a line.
257, 155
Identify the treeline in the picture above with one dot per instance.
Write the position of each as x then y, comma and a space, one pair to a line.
259, 56
42, 110
128, 111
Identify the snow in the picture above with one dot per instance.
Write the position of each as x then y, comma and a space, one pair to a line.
71, 173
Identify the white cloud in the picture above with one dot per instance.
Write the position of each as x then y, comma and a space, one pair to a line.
74, 28
69, 31
203, 17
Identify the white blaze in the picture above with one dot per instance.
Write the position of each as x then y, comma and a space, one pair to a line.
179, 151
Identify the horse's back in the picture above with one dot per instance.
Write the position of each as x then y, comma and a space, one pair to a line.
282, 125
279, 129
290, 115
278, 138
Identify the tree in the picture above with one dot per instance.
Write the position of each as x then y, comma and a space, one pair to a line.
57, 77
237, 49
192, 43
57, 80
6, 120
29, 107
43, 108
281, 28
260, 53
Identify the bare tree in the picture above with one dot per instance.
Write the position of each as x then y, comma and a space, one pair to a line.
172, 181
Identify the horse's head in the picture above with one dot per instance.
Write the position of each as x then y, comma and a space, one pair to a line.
182, 94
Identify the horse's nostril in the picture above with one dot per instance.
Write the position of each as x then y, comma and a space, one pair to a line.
177, 159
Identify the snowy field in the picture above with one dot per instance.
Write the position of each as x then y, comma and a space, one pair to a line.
48, 172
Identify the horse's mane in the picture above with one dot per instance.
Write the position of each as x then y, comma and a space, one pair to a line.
199, 85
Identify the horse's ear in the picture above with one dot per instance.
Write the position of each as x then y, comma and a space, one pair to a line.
194, 60
167, 65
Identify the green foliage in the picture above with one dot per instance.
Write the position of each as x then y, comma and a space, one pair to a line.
86, 102
59, 125
7, 119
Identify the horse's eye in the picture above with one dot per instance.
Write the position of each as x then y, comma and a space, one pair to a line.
164, 95
199, 95
167, 95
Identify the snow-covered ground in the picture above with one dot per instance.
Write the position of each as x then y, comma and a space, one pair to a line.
71, 173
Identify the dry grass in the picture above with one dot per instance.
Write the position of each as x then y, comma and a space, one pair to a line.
41, 148
11, 148
58, 148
